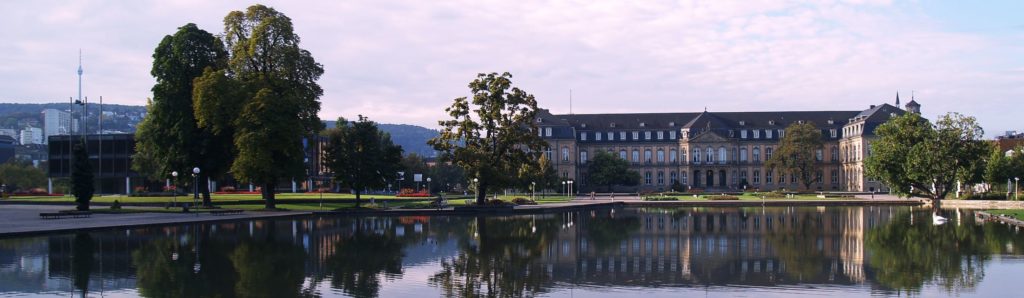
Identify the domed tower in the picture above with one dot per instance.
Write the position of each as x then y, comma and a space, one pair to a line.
913, 107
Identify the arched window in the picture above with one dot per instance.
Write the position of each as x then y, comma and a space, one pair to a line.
565, 154
743, 154
583, 157
622, 154
721, 154
757, 154
661, 155
636, 155
672, 155
711, 154
696, 155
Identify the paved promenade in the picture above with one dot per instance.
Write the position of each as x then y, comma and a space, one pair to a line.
24, 219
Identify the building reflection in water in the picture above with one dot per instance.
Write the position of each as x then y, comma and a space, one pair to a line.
875, 248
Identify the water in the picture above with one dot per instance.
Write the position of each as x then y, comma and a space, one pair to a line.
745, 252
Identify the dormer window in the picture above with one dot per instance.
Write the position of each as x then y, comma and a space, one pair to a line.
771, 122
612, 124
584, 125
671, 124
830, 122
742, 123
540, 120
641, 124
801, 122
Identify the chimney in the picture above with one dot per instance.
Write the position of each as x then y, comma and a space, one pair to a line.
872, 107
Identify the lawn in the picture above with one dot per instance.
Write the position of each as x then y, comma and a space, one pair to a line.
217, 198
750, 197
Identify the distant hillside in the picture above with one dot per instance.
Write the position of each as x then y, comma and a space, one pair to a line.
412, 138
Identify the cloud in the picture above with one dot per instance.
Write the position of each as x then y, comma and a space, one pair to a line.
403, 61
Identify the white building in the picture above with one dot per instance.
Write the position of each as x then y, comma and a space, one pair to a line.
55, 122
31, 135
10, 132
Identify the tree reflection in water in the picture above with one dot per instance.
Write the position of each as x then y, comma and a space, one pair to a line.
910, 251
82, 260
500, 260
357, 261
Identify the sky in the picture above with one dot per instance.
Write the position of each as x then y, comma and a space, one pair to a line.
405, 61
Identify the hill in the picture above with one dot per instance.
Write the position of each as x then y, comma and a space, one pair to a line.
412, 138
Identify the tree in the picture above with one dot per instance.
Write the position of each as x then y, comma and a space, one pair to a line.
608, 170
361, 156
169, 138
999, 167
911, 152
272, 83
492, 134
21, 175
82, 182
796, 153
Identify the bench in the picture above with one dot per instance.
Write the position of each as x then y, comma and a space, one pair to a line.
225, 211
62, 214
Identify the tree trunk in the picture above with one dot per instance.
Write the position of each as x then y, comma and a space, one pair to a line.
481, 193
204, 189
268, 195
359, 200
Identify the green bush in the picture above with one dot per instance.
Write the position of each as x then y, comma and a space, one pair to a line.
523, 201
660, 198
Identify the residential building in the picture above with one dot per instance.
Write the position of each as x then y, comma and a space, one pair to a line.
31, 135
56, 122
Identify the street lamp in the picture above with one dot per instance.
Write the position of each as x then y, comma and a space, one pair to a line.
174, 190
1016, 183
195, 187
571, 193
533, 190
476, 190
565, 189
428, 185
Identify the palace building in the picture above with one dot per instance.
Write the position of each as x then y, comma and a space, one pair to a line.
715, 150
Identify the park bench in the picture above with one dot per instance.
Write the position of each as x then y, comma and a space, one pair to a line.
226, 211
63, 214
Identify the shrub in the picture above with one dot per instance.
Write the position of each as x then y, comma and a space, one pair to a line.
523, 201
985, 196
116, 205
228, 189
37, 191
722, 198
496, 202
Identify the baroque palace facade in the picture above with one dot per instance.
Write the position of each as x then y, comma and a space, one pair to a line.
715, 151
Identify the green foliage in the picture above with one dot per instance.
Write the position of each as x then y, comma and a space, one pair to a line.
910, 151
267, 98
169, 137
21, 176
492, 134
796, 153
1000, 168
542, 173
82, 182
608, 170
361, 156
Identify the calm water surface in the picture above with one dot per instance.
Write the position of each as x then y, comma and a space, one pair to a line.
773, 252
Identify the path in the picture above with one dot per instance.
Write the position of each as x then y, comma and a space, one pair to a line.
24, 219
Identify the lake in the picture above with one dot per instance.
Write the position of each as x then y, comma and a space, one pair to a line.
654, 252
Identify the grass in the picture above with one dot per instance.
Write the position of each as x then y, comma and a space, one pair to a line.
217, 198
743, 197
1015, 213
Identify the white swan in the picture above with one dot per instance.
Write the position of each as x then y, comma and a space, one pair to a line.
938, 219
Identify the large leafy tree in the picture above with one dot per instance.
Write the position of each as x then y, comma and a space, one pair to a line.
608, 170
796, 153
21, 175
542, 173
82, 182
272, 82
912, 152
361, 156
1000, 168
492, 134
169, 138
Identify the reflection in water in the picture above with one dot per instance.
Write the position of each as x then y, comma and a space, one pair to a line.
873, 249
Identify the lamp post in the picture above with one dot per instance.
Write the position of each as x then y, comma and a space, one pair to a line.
565, 189
174, 190
533, 190
195, 187
1016, 183
476, 191
428, 185
571, 193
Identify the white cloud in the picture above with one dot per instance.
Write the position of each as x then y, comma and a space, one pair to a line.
403, 61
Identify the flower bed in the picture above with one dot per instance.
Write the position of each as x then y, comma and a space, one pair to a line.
722, 198
236, 192
660, 198
523, 201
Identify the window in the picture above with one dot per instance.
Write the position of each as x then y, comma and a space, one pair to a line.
696, 155
597, 136
636, 135
547, 131
622, 154
767, 133
672, 155
869, 149
721, 154
768, 177
743, 134
622, 136
782, 133
743, 176
792, 178
672, 134
583, 136
547, 153
835, 177
782, 178
818, 155
768, 153
833, 132
647, 155
757, 154
661, 135
647, 135
711, 155
682, 154
636, 155
817, 177
757, 133
611, 136
757, 177
565, 153
683, 179
661, 178
835, 153
673, 177
647, 178
743, 154
583, 157
661, 155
